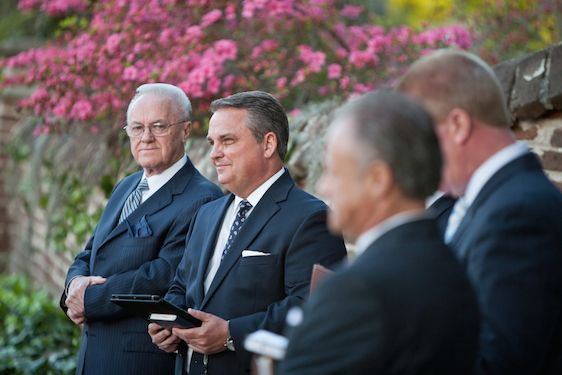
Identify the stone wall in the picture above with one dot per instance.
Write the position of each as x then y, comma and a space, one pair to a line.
533, 86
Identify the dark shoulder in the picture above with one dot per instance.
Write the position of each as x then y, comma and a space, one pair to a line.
305, 201
204, 185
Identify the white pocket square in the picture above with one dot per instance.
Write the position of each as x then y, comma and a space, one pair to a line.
253, 253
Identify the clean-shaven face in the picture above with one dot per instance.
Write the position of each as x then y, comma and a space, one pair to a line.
236, 154
156, 154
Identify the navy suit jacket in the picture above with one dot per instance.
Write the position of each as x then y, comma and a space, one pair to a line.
404, 306
255, 292
140, 255
510, 243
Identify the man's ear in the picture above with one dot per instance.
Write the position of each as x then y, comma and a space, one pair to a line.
269, 145
381, 179
460, 126
185, 131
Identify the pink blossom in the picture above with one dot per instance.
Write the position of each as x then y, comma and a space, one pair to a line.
230, 12
316, 48
298, 78
295, 112
211, 17
226, 48
281, 83
314, 59
41, 129
81, 110
130, 73
112, 43
334, 71
351, 11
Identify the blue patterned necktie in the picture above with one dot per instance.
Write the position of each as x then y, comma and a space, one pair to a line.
243, 209
457, 214
133, 200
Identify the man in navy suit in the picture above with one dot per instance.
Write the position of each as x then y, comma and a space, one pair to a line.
249, 255
506, 226
404, 306
137, 250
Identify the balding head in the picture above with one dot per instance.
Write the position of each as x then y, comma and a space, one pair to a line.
175, 96
447, 79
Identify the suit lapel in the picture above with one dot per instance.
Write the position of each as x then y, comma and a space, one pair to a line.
109, 221
526, 161
162, 198
259, 217
216, 219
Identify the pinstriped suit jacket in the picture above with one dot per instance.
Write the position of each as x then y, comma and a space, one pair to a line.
140, 255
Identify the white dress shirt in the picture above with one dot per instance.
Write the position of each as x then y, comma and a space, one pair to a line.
156, 181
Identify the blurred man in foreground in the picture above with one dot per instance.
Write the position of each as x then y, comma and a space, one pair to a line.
404, 306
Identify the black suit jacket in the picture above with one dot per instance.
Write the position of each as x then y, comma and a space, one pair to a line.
403, 307
510, 243
140, 255
255, 292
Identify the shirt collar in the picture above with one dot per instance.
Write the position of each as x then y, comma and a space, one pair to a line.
156, 181
255, 196
485, 171
371, 235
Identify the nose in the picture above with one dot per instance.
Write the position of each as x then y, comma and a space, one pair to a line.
147, 135
216, 151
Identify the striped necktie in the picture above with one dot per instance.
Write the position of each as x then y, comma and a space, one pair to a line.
133, 200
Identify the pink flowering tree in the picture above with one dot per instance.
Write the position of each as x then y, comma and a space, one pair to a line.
300, 50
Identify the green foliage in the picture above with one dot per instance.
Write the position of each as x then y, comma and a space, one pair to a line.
35, 336
16, 24
502, 29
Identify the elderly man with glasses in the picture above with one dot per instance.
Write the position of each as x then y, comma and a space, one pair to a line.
140, 238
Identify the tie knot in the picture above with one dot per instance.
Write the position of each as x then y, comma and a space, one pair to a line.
143, 185
244, 207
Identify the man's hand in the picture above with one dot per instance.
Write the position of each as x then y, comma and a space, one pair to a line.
163, 338
75, 297
207, 339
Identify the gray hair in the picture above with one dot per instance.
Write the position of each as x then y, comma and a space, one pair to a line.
265, 114
174, 94
393, 128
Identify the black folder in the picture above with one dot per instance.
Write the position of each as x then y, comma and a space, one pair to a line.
156, 309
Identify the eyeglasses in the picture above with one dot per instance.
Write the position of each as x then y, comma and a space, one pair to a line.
157, 129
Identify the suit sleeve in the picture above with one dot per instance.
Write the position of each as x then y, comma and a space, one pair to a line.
515, 268
154, 276
311, 243
343, 326
79, 267
177, 291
